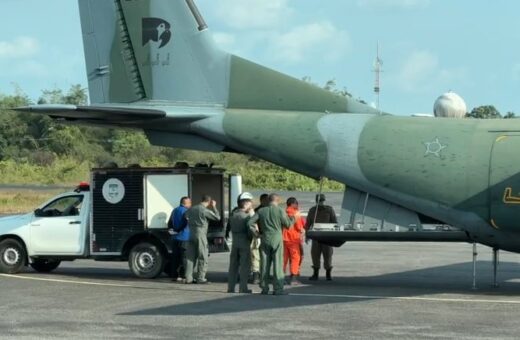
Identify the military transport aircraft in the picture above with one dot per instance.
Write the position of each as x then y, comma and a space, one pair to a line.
153, 65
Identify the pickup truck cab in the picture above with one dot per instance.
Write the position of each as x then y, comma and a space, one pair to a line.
122, 216
57, 228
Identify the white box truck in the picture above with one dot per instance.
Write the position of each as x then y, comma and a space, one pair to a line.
121, 216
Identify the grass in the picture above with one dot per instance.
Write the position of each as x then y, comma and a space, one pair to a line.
256, 175
62, 172
23, 201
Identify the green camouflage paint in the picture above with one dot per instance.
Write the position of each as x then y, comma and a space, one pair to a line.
504, 182
293, 136
121, 88
441, 160
134, 11
256, 87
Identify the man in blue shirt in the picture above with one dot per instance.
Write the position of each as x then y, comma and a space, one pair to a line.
180, 236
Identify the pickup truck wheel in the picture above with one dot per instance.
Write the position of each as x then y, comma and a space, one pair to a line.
12, 256
44, 265
146, 261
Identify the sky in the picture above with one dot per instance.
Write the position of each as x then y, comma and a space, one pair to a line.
428, 47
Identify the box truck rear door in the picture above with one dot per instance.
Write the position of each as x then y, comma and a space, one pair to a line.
163, 193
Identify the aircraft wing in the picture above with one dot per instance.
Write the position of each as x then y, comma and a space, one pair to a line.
99, 114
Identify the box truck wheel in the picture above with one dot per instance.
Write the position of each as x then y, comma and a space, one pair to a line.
44, 265
146, 260
12, 256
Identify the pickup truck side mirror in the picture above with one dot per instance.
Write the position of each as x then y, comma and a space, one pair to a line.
38, 213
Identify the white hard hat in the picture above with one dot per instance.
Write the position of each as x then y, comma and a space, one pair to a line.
245, 196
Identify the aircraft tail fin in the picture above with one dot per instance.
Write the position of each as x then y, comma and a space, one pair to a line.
161, 50
150, 50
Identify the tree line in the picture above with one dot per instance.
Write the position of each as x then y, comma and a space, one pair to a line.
488, 112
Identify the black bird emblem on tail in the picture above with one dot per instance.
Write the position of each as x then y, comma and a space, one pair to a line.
156, 29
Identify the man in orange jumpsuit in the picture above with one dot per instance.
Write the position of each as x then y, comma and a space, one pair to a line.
292, 241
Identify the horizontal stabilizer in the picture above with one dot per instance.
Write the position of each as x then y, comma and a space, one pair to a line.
95, 113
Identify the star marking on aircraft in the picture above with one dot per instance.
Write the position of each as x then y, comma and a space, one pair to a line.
434, 148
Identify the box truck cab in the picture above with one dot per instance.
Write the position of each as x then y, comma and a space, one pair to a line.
121, 216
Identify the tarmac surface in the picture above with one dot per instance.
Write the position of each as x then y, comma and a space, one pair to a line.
380, 291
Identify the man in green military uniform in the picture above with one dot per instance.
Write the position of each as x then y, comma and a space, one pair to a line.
255, 244
197, 249
271, 220
239, 259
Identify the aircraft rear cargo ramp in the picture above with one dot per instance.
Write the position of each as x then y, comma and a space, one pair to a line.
367, 218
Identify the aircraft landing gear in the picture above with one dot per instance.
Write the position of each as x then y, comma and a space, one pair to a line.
474, 286
496, 262
495, 267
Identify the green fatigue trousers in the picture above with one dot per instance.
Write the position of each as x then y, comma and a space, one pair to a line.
197, 255
239, 265
271, 253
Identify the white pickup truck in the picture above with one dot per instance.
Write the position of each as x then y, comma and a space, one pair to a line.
121, 216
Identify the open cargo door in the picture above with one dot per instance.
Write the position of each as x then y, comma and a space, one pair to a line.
211, 183
163, 194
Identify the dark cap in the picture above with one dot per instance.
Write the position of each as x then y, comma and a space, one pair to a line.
320, 198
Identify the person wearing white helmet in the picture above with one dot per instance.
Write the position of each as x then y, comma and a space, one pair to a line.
239, 259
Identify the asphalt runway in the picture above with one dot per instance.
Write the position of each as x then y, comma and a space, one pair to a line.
380, 291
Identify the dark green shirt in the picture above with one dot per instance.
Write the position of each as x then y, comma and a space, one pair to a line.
242, 235
271, 220
325, 214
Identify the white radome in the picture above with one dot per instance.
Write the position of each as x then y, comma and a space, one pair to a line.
450, 105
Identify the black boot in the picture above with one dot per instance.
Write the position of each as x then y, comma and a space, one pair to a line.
329, 275
314, 276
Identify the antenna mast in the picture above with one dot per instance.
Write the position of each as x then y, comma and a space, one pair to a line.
378, 68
